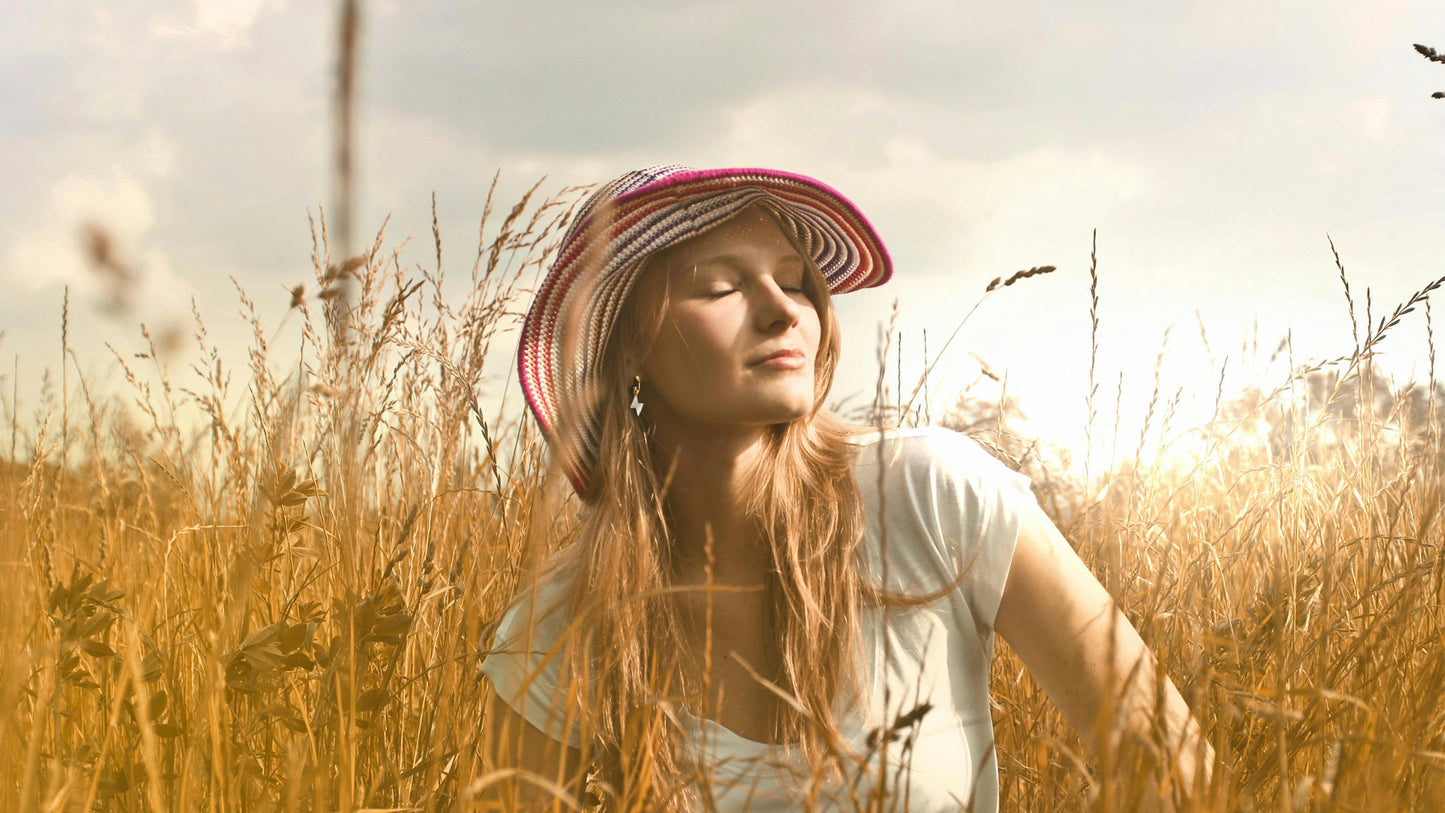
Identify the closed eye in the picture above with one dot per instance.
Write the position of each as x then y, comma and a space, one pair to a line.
722, 292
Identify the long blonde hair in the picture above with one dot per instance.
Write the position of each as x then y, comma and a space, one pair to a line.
623, 619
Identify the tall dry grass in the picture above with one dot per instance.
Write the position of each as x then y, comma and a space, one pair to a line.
268, 586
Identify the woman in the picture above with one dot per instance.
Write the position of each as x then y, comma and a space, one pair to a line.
766, 608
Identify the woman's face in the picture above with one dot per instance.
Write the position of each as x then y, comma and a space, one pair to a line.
739, 337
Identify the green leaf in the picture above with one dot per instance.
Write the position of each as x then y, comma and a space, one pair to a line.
298, 660
263, 658
151, 666
259, 637
103, 594
107, 788
58, 597
100, 622
373, 700
391, 626
97, 648
293, 637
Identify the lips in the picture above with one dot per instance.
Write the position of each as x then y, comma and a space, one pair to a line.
790, 352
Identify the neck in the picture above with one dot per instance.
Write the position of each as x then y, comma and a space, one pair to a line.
710, 471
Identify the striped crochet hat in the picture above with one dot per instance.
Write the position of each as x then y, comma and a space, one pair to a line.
605, 248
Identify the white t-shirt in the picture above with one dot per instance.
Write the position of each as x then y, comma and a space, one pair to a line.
947, 507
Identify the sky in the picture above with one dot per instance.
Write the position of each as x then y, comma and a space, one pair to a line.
1213, 148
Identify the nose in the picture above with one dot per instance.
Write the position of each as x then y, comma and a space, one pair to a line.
777, 308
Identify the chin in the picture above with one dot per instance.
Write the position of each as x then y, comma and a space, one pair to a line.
766, 408
792, 412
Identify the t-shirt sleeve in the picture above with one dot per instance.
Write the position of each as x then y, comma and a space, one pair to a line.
973, 505
524, 664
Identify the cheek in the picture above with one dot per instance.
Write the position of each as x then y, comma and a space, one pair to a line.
812, 327
706, 336
690, 350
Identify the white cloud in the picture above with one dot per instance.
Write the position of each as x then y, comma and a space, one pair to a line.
945, 212
156, 152
225, 24
1374, 118
120, 201
51, 254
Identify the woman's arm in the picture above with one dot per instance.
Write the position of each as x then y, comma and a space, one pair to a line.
1089, 659
528, 769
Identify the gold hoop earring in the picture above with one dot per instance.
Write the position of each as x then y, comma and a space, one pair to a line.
636, 405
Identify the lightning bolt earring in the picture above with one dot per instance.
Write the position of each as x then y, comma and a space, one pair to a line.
636, 405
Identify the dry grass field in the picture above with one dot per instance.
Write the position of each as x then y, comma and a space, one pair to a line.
263, 585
